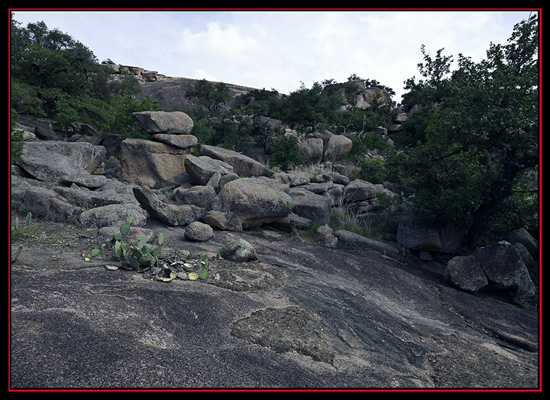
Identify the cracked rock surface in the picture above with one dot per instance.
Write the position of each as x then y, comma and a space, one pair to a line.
301, 316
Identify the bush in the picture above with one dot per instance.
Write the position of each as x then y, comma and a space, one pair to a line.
284, 152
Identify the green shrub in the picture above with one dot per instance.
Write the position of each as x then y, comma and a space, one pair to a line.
284, 152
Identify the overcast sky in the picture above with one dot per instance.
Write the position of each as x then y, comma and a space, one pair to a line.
281, 49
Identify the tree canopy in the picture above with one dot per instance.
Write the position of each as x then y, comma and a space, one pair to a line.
55, 76
481, 138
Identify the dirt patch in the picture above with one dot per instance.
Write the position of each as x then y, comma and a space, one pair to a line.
284, 330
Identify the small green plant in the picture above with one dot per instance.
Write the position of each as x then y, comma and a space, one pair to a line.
137, 255
93, 253
20, 231
203, 265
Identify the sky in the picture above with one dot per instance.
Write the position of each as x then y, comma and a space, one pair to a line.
281, 49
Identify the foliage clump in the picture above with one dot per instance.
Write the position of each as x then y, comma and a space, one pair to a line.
53, 75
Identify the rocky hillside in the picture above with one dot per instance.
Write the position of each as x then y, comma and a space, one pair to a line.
361, 312
223, 189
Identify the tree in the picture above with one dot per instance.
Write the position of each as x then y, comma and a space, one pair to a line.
482, 137
210, 96
309, 107
55, 76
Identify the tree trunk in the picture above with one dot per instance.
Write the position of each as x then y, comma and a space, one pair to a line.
498, 192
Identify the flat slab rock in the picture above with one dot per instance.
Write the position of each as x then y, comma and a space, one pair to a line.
303, 316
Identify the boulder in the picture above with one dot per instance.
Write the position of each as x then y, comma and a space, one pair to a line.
312, 149
239, 250
464, 272
360, 190
51, 160
253, 202
505, 269
164, 122
338, 146
242, 165
85, 133
222, 220
113, 192
45, 133
170, 214
318, 188
46, 203
180, 141
201, 169
439, 239
84, 179
309, 205
200, 196
498, 265
339, 178
522, 236
326, 237
198, 232
150, 163
113, 215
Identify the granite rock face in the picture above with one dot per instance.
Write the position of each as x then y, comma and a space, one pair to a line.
176, 122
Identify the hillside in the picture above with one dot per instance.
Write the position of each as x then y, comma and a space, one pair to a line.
170, 91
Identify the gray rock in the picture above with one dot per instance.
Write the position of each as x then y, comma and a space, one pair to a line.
522, 236
326, 237
298, 178
164, 122
46, 203
200, 196
180, 141
387, 324
338, 146
112, 192
150, 163
198, 232
350, 240
201, 169
113, 215
318, 188
360, 190
86, 180
465, 273
339, 178
222, 220
242, 165
298, 330
416, 236
312, 149
51, 160
253, 202
45, 133
238, 250
309, 205
170, 214
505, 269
85, 133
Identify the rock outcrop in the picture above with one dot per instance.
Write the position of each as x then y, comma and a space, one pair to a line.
55, 160
251, 202
242, 165
175, 122
498, 265
202, 169
150, 163
439, 239
170, 214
